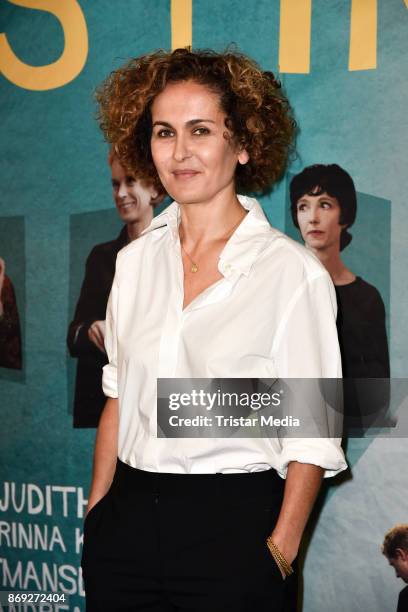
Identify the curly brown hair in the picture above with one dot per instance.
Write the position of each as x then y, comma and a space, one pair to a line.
257, 112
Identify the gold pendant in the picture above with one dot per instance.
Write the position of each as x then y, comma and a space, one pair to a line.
194, 268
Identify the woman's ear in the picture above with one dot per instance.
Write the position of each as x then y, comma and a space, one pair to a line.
243, 157
156, 197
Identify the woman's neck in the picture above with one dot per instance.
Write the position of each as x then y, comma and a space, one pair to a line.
330, 258
206, 222
135, 228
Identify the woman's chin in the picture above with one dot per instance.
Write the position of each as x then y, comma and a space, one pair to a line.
188, 198
316, 244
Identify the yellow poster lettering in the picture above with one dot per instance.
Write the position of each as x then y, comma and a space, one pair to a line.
363, 35
69, 64
294, 36
181, 23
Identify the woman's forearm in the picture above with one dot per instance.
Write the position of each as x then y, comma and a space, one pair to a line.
106, 452
302, 485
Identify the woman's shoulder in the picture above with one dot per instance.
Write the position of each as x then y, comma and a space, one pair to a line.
364, 287
293, 256
133, 249
107, 250
367, 296
145, 248
360, 290
160, 225
277, 251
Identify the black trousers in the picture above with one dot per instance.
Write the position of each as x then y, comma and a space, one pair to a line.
174, 542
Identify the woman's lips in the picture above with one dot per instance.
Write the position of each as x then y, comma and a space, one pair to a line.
315, 233
185, 174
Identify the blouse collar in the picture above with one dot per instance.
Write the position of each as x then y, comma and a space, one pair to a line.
242, 248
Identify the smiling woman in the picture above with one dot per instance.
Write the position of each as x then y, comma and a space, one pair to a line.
210, 290
195, 157
255, 110
134, 201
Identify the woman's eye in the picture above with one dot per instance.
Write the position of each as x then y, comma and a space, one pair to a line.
326, 205
301, 207
164, 133
200, 131
130, 180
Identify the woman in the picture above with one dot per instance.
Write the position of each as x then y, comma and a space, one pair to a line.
209, 290
135, 201
323, 206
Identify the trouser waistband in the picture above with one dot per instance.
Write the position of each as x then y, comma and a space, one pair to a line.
225, 485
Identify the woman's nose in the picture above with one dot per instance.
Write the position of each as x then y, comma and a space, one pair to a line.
181, 148
122, 191
314, 216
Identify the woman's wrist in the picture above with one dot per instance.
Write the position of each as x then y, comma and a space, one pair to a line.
287, 545
283, 564
93, 499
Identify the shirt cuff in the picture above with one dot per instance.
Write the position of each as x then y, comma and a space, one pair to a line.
110, 381
324, 452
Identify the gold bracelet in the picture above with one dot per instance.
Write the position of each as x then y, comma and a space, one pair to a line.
279, 558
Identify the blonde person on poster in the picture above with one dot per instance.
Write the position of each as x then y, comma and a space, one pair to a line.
209, 290
135, 202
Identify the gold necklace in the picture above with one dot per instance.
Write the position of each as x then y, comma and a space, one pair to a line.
194, 266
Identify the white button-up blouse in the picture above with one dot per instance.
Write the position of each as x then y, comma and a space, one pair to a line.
271, 315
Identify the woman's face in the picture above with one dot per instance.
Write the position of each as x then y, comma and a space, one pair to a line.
319, 221
193, 151
132, 197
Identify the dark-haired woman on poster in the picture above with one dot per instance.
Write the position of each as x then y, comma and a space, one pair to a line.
210, 290
323, 206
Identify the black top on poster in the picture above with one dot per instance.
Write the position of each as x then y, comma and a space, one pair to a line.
89, 398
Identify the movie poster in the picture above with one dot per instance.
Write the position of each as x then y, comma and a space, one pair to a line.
343, 67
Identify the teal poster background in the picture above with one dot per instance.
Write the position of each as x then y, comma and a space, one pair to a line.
55, 175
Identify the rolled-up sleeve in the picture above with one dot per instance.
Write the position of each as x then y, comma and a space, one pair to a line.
110, 371
306, 346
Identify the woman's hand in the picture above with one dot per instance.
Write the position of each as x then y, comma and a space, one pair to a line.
93, 500
288, 551
96, 334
